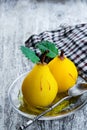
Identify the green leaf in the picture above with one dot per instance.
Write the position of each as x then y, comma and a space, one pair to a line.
46, 45
30, 54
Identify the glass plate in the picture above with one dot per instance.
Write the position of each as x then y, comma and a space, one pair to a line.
15, 88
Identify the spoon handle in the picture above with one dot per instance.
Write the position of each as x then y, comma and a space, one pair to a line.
43, 113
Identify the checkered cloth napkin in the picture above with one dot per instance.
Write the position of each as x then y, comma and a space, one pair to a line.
72, 39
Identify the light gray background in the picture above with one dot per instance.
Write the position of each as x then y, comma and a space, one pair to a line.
18, 20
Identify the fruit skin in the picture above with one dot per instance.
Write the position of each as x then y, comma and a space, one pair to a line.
39, 87
64, 71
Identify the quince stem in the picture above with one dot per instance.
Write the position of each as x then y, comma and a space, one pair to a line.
62, 56
43, 56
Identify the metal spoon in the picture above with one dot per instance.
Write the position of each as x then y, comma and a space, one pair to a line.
76, 90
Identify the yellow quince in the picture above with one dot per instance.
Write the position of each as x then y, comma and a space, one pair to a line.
64, 71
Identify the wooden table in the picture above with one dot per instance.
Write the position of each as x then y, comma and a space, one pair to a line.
18, 20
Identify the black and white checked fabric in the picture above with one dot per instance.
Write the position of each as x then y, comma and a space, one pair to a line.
72, 39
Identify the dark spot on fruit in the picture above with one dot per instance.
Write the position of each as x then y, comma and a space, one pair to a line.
71, 76
49, 86
40, 86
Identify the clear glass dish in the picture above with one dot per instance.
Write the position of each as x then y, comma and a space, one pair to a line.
13, 95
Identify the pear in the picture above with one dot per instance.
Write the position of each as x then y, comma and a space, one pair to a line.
64, 71
39, 87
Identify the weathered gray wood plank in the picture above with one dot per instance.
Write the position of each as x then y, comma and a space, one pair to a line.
18, 20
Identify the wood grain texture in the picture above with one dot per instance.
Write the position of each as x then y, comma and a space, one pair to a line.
18, 20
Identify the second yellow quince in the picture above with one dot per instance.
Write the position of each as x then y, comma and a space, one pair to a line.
64, 71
